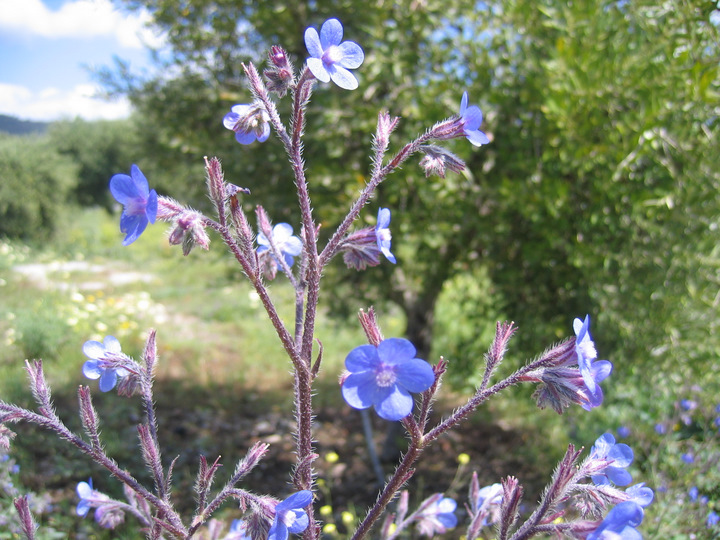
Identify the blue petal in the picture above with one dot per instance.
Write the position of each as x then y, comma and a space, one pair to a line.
388, 254
342, 77
93, 349
112, 345
84, 489
602, 445
108, 380
297, 500
472, 118
395, 405
331, 33
91, 370
383, 219
245, 137
621, 454
449, 521
133, 226
230, 119
477, 138
265, 133
240, 109
618, 476
312, 42
151, 207
122, 188
352, 55
415, 375
395, 350
359, 389
301, 522
463, 103
317, 67
601, 370
82, 508
362, 358
141, 183
641, 494
278, 531
293, 246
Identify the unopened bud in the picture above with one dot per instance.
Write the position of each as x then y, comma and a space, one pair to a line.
280, 74
385, 126
370, 326
215, 180
437, 160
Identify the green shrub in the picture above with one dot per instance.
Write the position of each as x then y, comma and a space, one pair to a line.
34, 183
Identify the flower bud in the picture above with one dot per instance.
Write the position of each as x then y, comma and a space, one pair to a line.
280, 74
361, 249
371, 327
437, 160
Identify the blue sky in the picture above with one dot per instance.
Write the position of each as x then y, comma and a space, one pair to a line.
45, 46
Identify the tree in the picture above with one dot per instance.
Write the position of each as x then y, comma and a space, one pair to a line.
99, 148
32, 190
598, 193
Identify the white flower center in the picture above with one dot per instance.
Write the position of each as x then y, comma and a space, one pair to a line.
288, 518
332, 55
385, 376
587, 349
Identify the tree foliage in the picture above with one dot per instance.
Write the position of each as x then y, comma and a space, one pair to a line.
598, 193
98, 148
35, 182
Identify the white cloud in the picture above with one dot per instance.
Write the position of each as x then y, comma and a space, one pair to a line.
53, 104
78, 19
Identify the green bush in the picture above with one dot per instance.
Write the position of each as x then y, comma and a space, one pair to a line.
34, 182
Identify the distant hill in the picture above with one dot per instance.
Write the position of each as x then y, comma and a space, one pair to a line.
15, 126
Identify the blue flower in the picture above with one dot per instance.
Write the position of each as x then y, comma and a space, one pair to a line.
290, 516
290, 246
330, 59
620, 522
437, 517
688, 404
639, 494
614, 459
712, 519
688, 457
382, 231
384, 376
488, 503
471, 119
623, 432
86, 493
99, 365
108, 513
585, 349
139, 201
249, 122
